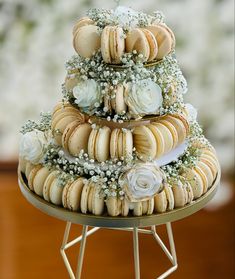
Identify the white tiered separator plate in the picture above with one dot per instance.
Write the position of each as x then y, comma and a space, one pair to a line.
135, 225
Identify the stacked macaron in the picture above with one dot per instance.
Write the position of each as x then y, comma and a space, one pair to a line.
160, 136
153, 42
63, 115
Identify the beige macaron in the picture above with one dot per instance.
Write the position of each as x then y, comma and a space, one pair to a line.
71, 196
164, 39
124, 207
136, 40
180, 195
138, 208
179, 125
195, 181
113, 206
114, 143
172, 129
211, 163
29, 166
84, 197
55, 192
47, 185
167, 136
118, 103
102, 143
39, 180
68, 132
170, 197
32, 175
127, 143
70, 82
79, 139
160, 202
112, 44
95, 200
153, 46
144, 142
91, 143
207, 171
82, 22
86, 40
203, 177
148, 207
159, 140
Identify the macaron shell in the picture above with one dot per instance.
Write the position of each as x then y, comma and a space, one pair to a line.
39, 180
163, 38
86, 40
60, 105
127, 143
118, 44
144, 207
159, 140
150, 208
79, 139
160, 202
120, 145
211, 163
84, 197
32, 176
65, 194
173, 131
204, 178
102, 143
180, 196
120, 105
113, 206
124, 207
195, 181
167, 136
68, 132
114, 143
153, 46
91, 143
144, 142
90, 196
74, 194
179, 126
189, 192
137, 211
55, 192
82, 22
207, 171
29, 166
47, 185
105, 50
97, 202
136, 40
170, 197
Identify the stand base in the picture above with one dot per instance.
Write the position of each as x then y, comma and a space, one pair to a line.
135, 230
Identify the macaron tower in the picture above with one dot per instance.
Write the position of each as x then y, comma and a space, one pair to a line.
120, 141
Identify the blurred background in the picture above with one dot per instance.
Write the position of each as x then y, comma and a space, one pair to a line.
35, 42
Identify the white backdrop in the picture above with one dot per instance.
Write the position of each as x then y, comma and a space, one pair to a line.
35, 42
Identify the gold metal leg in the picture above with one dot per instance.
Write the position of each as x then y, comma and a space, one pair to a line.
85, 232
136, 253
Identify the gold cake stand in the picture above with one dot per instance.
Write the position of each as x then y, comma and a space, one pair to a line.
133, 224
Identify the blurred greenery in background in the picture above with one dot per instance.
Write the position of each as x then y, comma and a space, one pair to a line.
35, 42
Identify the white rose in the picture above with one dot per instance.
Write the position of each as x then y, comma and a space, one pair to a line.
192, 112
142, 182
32, 146
125, 16
143, 97
87, 94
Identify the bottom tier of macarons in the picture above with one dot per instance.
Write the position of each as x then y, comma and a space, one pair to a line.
82, 195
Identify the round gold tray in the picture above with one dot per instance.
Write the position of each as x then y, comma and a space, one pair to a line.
115, 222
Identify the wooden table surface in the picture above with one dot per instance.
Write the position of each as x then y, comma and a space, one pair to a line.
30, 242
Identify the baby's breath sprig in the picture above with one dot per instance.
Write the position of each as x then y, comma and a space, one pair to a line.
43, 124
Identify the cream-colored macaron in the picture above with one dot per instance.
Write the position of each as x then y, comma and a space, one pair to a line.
167, 136
32, 174
204, 178
95, 200
70, 82
169, 197
124, 207
113, 206
29, 166
159, 140
71, 196
82, 22
172, 129
180, 195
127, 143
79, 139
144, 142
102, 143
55, 192
114, 143
118, 103
207, 171
164, 39
211, 163
160, 202
39, 180
179, 126
91, 143
68, 132
84, 197
86, 40
189, 191
138, 209
148, 207
153, 46
136, 40
195, 181
112, 44
47, 184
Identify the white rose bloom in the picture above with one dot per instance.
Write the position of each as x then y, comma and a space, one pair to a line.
192, 112
126, 16
142, 182
32, 146
143, 97
87, 94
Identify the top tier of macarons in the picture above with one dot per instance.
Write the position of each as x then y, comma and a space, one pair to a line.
120, 31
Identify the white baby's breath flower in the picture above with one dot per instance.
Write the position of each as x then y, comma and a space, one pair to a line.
143, 97
32, 146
